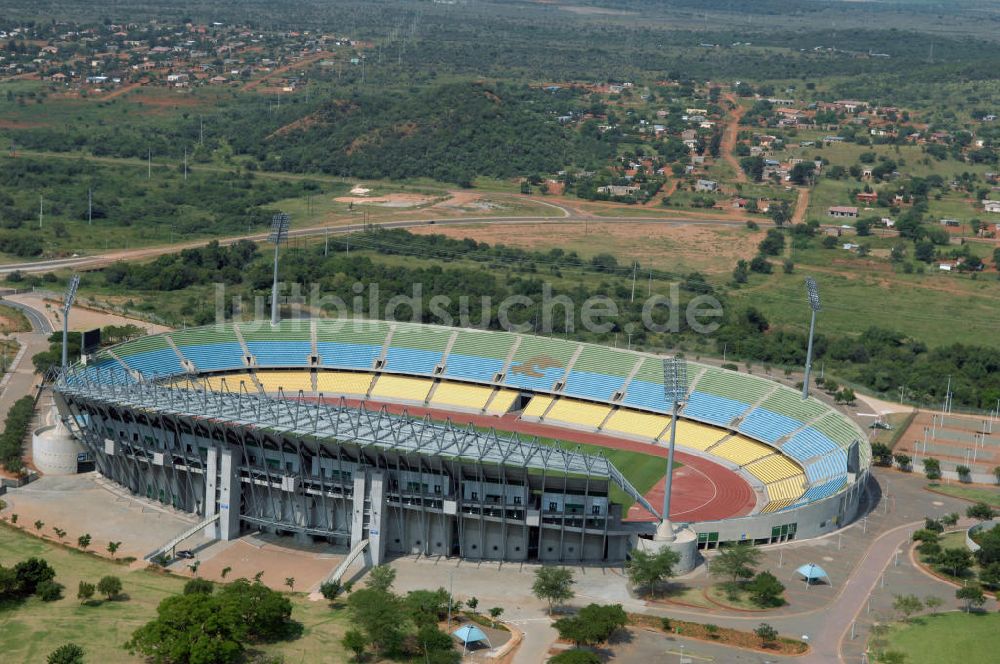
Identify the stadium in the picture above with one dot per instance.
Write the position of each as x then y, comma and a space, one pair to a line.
404, 438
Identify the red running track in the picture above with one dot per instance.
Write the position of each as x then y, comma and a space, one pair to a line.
702, 490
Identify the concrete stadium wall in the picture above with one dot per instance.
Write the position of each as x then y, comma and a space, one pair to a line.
54, 450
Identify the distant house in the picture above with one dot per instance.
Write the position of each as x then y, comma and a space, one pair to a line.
991, 206
843, 212
706, 185
952, 223
869, 197
618, 190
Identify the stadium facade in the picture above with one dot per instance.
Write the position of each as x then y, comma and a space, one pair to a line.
248, 426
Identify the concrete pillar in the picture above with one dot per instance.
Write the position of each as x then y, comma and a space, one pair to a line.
376, 522
211, 482
358, 510
229, 496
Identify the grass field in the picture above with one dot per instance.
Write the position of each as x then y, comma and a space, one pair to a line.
970, 493
32, 629
948, 637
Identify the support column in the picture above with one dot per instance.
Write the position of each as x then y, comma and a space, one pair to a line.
229, 496
376, 522
358, 509
211, 482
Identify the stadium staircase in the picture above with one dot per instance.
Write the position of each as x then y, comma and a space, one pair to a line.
169, 546
338, 573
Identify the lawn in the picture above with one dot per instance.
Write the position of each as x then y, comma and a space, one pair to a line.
948, 637
32, 629
970, 493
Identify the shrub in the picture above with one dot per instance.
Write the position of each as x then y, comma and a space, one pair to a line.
49, 591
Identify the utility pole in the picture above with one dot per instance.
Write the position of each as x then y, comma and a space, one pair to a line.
149, 164
279, 233
814, 304
674, 389
185, 163
41, 209
201, 130
90, 206
635, 267
74, 283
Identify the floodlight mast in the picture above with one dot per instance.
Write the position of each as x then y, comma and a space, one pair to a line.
674, 390
812, 291
74, 283
279, 233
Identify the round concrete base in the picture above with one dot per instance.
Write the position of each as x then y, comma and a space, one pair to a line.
54, 450
685, 544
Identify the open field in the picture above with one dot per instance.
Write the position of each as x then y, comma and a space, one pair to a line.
970, 493
32, 629
942, 638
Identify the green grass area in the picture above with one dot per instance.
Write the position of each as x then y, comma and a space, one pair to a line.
32, 629
971, 493
948, 637
13, 320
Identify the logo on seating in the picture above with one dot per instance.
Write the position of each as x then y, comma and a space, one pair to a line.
534, 366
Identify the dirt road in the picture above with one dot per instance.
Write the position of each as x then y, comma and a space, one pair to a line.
729, 134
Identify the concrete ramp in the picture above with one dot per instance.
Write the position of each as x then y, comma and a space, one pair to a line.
347, 561
183, 536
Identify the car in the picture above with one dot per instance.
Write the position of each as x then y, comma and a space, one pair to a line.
185, 554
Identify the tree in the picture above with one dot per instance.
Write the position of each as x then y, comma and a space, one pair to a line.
766, 634
109, 586
331, 589
495, 614
83, 541
381, 578
932, 468
29, 574
225, 571
963, 472
575, 656
113, 548
881, 454
290, 582
980, 511
957, 561
379, 615
595, 623
49, 591
761, 265
85, 591
766, 590
737, 563
354, 641
68, 653
990, 575
39, 524
472, 603
996, 469
741, 273
902, 460
949, 519
191, 628
264, 613
933, 603
907, 605
553, 585
972, 596
60, 533
648, 570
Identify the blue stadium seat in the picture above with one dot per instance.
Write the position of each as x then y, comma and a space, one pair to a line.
768, 426
472, 367
820, 491
155, 363
413, 360
593, 385
807, 444
214, 357
643, 394
281, 353
352, 356
544, 382
710, 408
832, 465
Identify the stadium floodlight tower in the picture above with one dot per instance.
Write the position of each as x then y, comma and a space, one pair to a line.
813, 292
74, 283
279, 233
674, 390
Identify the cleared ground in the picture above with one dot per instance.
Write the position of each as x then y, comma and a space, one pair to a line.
948, 637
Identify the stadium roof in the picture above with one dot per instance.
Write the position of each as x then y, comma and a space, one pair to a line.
340, 423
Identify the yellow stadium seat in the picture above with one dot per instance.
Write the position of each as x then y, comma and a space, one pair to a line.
401, 388
635, 423
341, 382
230, 382
740, 450
459, 395
536, 407
694, 435
787, 489
287, 381
502, 402
581, 413
773, 469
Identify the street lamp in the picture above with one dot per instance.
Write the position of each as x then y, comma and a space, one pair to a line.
279, 234
74, 283
674, 391
814, 304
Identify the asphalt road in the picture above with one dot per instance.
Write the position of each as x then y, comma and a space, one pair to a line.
39, 323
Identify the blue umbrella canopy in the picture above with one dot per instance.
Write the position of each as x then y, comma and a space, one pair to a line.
470, 634
812, 571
